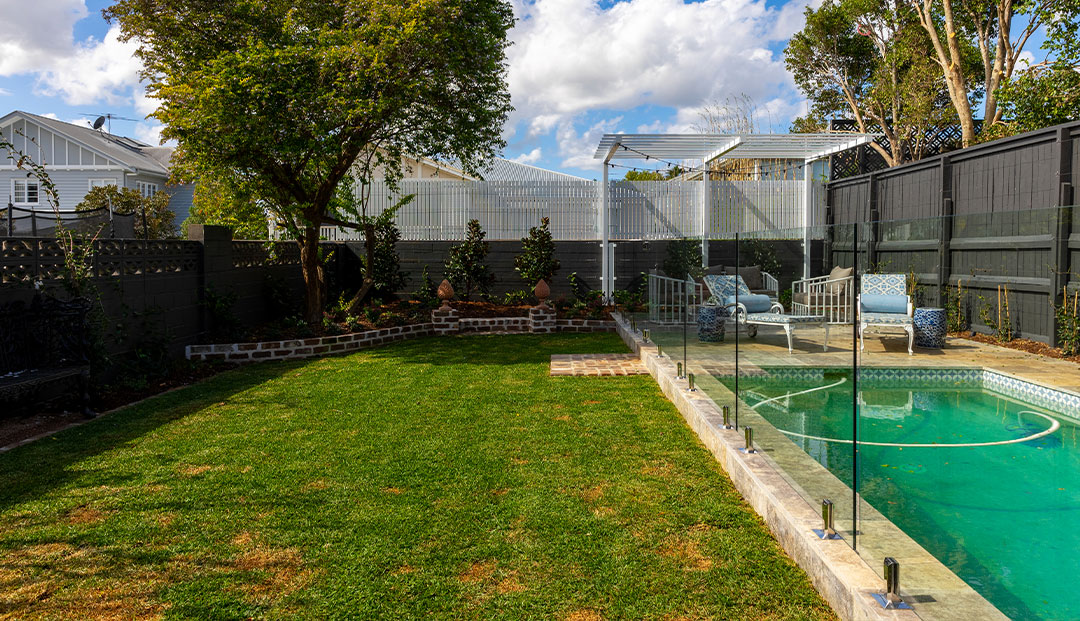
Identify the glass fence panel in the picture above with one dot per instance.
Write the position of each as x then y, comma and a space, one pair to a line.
760, 349
966, 447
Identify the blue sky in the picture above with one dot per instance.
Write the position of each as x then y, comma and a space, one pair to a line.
578, 69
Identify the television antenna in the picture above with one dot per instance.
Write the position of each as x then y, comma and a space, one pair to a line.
107, 119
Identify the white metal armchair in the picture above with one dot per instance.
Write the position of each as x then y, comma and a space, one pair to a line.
884, 302
825, 295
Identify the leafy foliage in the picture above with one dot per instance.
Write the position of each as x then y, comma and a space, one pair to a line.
153, 218
1047, 93
285, 98
956, 309
1067, 316
537, 260
683, 258
871, 62
427, 293
759, 252
465, 267
219, 202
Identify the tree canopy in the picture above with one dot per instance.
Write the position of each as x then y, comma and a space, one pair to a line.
870, 61
218, 202
153, 218
290, 96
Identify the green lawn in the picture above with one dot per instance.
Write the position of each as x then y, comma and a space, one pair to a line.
438, 477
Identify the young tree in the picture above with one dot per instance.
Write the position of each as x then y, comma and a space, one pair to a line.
465, 266
537, 259
153, 218
871, 61
291, 96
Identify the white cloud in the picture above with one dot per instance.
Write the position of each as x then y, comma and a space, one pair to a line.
98, 71
149, 133
531, 157
577, 149
571, 56
4, 92
37, 33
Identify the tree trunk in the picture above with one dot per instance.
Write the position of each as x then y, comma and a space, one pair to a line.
314, 280
369, 267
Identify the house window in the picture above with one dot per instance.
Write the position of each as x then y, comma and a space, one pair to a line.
25, 192
146, 189
100, 183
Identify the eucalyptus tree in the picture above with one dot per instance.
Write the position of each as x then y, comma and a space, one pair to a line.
287, 97
999, 30
870, 60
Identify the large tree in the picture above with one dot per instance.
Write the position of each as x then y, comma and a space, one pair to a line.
991, 27
870, 60
1047, 92
290, 96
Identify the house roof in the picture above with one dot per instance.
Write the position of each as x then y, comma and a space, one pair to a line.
502, 169
128, 152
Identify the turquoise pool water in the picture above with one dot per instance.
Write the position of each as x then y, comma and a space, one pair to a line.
1005, 517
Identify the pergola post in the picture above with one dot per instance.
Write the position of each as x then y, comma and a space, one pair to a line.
703, 221
605, 229
808, 189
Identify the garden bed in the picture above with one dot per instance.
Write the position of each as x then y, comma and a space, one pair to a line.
1025, 345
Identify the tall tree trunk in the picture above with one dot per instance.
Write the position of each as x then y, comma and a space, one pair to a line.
314, 280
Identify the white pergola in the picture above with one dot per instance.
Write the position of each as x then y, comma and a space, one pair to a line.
708, 148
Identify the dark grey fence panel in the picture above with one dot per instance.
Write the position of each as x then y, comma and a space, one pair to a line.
998, 225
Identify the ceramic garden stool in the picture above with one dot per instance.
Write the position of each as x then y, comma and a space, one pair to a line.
929, 327
710, 324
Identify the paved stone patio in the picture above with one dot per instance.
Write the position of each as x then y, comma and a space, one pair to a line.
596, 365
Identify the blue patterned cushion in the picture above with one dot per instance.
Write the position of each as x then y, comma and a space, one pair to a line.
783, 319
877, 303
754, 302
722, 287
885, 318
884, 284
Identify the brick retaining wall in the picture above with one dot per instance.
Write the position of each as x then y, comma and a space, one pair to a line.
292, 349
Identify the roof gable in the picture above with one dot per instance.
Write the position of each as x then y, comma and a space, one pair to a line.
65, 145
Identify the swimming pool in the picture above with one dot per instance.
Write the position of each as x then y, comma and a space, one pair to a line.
986, 482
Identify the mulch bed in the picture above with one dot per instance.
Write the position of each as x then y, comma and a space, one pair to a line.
1028, 345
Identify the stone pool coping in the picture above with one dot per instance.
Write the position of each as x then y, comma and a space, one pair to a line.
840, 574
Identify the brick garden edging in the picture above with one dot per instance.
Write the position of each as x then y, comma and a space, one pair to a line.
443, 323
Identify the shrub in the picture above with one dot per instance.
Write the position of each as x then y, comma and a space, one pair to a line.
465, 267
759, 252
683, 258
537, 261
1068, 324
427, 293
387, 272
515, 298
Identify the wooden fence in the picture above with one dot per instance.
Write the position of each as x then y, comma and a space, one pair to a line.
989, 216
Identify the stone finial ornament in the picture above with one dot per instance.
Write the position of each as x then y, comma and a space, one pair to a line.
542, 292
445, 292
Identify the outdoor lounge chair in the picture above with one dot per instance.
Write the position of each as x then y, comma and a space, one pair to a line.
731, 294
884, 302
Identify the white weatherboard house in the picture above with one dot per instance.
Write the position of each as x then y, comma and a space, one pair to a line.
80, 158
